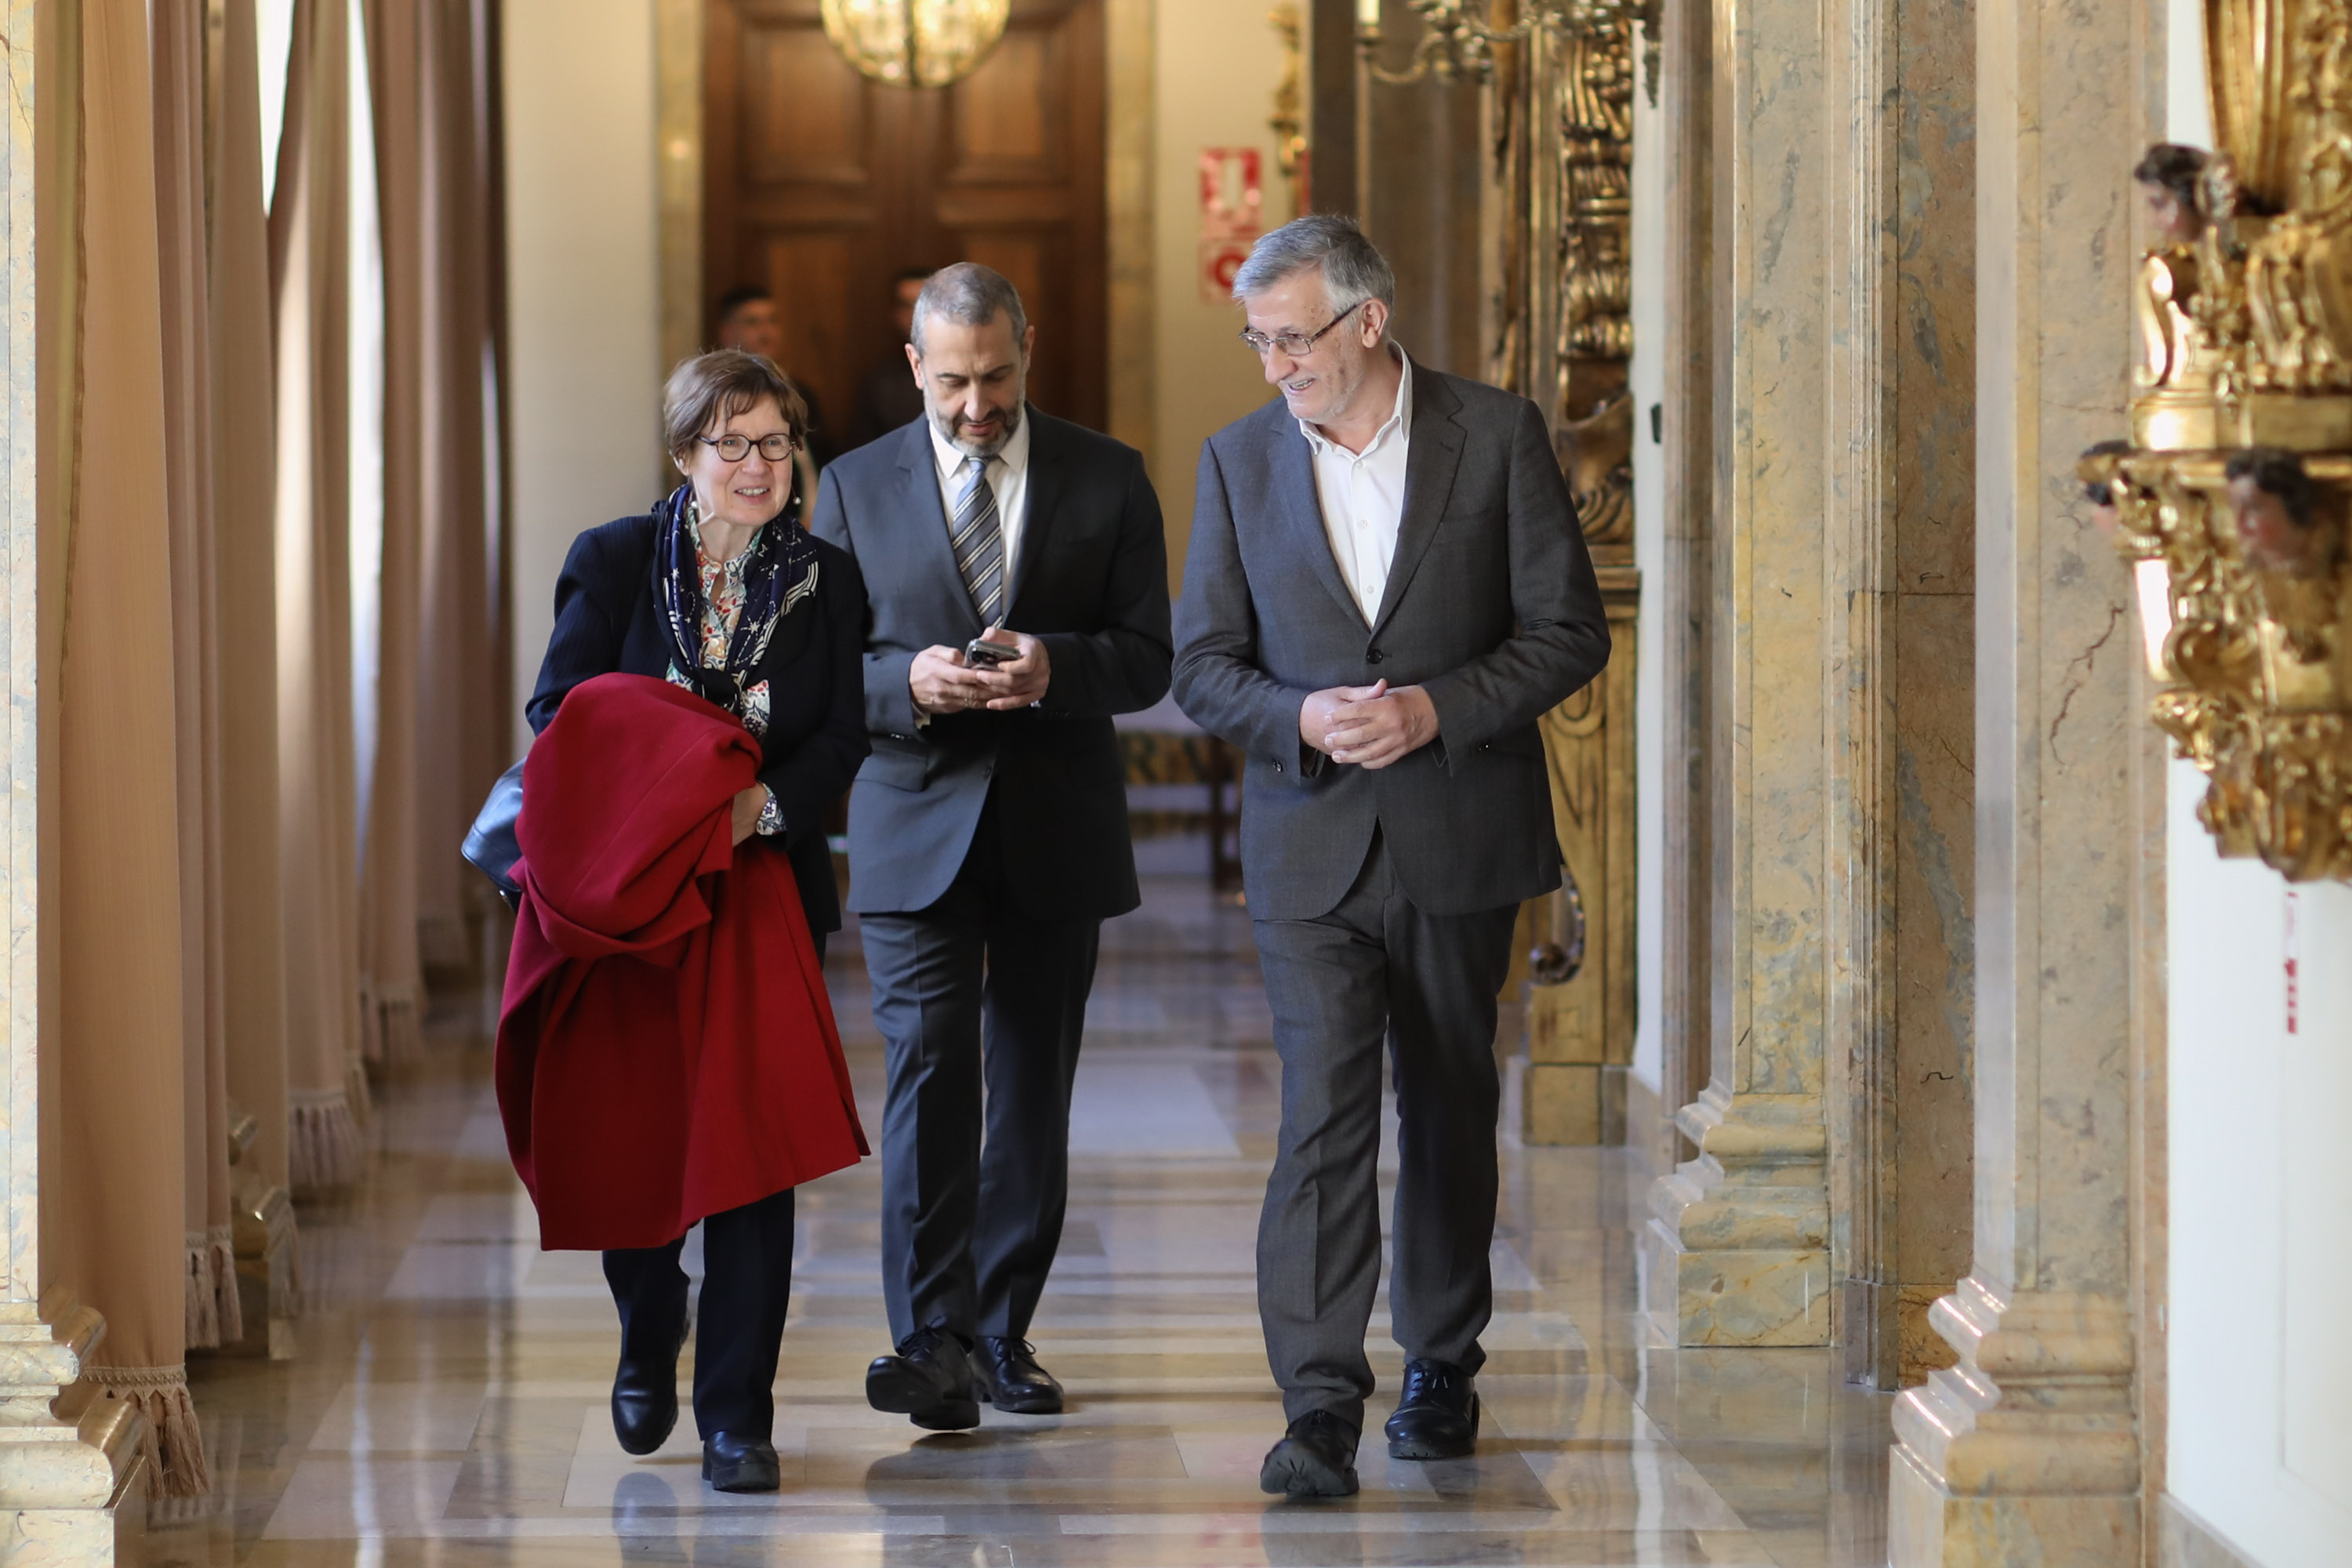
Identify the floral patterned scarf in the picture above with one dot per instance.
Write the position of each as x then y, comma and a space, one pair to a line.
778, 571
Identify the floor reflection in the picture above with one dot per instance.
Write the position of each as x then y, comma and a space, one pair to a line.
448, 1405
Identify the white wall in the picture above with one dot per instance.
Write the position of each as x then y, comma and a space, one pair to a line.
2259, 1435
1649, 310
1218, 64
583, 280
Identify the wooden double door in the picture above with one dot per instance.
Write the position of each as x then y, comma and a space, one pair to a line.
824, 186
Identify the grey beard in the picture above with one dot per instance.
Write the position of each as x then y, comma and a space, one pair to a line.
946, 426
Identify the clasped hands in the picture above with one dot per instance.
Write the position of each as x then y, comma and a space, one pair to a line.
1371, 726
940, 681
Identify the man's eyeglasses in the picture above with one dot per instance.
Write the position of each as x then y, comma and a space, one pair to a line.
1298, 345
735, 448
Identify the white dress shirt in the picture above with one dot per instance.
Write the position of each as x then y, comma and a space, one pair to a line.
1008, 476
1362, 496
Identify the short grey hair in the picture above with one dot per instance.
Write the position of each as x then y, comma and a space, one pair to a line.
971, 294
1353, 269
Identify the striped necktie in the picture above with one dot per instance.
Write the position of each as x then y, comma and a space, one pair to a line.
978, 541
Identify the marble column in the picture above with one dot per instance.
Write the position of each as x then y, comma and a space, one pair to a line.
1681, 594
2027, 1451
1837, 607
1901, 625
70, 1477
1737, 1250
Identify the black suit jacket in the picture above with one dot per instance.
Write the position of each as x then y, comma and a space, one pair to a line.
608, 619
1491, 607
1091, 584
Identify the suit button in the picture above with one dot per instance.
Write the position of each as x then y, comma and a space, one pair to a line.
1277, 767
1374, 656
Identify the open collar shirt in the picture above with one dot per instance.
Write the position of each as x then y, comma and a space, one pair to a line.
1362, 497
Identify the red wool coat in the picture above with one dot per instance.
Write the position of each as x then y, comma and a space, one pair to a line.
665, 1048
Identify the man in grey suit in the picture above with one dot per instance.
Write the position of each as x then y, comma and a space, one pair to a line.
1386, 586
987, 836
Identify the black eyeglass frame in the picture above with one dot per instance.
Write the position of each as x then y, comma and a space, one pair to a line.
719, 445
1258, 343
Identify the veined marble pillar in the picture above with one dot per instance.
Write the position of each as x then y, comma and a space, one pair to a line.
1830, 1190
2027, 1451
1737, 1251
69, 1479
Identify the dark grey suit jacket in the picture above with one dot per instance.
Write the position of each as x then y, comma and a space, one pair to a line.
1091, 584
1491, 606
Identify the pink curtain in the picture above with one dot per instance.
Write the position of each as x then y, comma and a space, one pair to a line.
317, 794
440, 719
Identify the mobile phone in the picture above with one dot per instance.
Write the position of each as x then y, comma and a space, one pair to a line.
982, 654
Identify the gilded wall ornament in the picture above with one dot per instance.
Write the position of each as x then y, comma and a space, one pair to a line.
2230, 499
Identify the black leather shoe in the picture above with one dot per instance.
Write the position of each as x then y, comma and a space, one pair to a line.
928, 1381
645, 1401
1005, 1373
1437, 1415
733, 1463
1317, 1458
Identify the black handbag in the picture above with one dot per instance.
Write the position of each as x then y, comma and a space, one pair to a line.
491, 846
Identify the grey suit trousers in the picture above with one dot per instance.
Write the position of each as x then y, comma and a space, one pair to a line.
975, 991
1376, 969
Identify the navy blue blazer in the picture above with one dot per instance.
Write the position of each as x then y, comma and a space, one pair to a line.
608, 619
1091, 584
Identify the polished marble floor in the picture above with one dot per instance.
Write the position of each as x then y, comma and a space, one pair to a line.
449, 1402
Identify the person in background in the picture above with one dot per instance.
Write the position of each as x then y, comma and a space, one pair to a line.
988, 832
890, 397
749, 319
1386, 586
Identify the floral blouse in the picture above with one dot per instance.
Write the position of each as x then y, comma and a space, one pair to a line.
722, 606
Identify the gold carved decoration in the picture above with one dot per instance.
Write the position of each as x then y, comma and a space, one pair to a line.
1288, 122
1562, 78
2230, 499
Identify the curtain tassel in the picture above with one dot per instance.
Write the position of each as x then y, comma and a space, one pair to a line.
325, 1147
215, 1310
175, 1443
203, 1327
397, 1030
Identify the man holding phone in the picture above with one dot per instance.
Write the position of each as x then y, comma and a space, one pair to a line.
1017, 597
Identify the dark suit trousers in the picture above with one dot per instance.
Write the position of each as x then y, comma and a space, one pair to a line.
1376, 969
970, 991
747, 1283
747, 1255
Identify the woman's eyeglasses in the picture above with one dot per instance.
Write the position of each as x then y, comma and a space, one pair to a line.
735, 448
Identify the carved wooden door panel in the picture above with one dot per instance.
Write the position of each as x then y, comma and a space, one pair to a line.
824, 186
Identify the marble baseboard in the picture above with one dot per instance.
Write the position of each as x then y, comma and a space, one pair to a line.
1928, 1527
80, 1537
1889, 1343
1649, 1134
1574, 1104
1735, 1296
2186, 1540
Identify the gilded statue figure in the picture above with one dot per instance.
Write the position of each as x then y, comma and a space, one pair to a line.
2171, 343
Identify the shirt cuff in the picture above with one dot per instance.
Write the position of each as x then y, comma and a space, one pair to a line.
771, 817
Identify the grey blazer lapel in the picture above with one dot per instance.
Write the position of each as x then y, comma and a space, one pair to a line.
1429, 467
1292, 465
1044, 488
931, 552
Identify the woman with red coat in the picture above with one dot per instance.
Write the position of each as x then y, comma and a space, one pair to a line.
667, 1045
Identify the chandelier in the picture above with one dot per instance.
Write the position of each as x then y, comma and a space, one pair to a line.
915, 43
